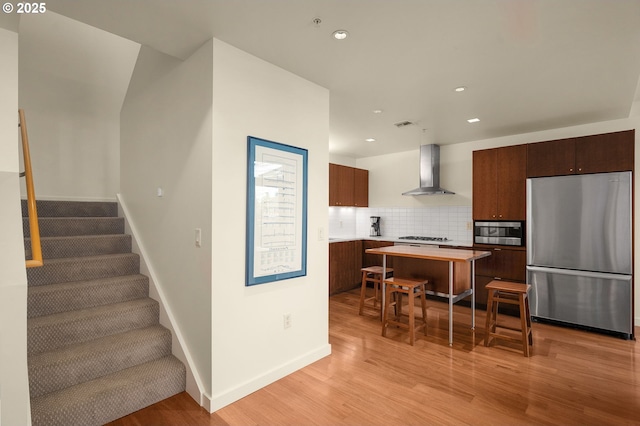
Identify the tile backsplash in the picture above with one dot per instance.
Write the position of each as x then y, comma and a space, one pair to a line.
453, 223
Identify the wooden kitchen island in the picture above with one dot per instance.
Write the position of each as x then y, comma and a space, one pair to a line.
452, 257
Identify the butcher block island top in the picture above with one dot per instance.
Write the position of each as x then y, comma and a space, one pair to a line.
431, 253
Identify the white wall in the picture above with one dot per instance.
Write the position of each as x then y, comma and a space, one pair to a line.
166, 143
14, 386
388, 175
73, 78
250, 347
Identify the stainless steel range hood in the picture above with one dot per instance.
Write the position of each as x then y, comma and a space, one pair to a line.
429, 172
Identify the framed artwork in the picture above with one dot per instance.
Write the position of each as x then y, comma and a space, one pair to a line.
276, 211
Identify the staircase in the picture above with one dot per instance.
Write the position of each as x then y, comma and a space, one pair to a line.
96, 351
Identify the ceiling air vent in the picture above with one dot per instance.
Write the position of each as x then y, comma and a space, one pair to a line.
403, 124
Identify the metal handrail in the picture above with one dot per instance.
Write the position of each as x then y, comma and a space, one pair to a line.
34, 229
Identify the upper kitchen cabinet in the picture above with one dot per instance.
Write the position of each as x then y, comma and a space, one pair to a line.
348, 186
360, 188
608, 152
499, 183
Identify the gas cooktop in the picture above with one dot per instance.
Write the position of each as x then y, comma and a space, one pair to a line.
412, 237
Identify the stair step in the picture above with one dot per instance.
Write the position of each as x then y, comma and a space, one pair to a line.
49, 208
72, 365
55, 298
70, 226
81, 245
83, 268
52, 332
110, 397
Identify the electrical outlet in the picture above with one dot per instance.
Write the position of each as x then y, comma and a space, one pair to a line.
286, 320
469, 224
321, 234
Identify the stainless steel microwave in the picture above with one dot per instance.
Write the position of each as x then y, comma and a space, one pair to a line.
499, 233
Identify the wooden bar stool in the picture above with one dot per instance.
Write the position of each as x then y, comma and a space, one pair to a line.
372, 274
514, 294
412, 288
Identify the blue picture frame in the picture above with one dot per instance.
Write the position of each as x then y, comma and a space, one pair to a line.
277, 179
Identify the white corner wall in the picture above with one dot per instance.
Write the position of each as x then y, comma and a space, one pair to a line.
166, 143
250, 347
73, 79
14, 385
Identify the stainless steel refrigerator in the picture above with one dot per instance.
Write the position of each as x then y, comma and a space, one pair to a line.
579, 260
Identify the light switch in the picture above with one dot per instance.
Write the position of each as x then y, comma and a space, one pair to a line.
198, 237
160, 192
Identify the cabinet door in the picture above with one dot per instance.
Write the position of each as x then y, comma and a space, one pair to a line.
334, 184
512, 182
485, 184
504, 264
552, 158
341, 184
609, 152
375, 259
361, 188
345, 259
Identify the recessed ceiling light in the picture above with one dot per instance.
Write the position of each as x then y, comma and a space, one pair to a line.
370, 140
340, 34
473, 120
377, 111
460, 89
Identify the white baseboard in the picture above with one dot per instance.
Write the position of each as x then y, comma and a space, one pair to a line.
179, 348
229, 396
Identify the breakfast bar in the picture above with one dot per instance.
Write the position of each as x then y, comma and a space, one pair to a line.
439, 254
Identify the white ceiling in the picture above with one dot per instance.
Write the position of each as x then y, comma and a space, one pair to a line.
528, 65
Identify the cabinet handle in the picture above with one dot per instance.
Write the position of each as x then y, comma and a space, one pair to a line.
570, 170
579, 169
497, 249
497, 278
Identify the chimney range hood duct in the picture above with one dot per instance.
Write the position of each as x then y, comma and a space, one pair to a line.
429, 172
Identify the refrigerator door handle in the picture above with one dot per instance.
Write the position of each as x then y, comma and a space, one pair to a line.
590, 274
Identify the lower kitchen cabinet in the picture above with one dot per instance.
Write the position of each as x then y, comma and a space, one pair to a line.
345, 260
509, 264
375, 259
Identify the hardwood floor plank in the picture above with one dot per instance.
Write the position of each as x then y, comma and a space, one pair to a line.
573, 377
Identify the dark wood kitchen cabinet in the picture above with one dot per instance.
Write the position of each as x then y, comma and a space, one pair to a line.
375, 259
509, 264
345, 260
348, 186
360, 188
608, 152
499, 183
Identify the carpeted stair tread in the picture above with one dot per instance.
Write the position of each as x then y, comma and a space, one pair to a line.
51, 332
61, 297
69, 226
83, 268
81, 245
110, 397
55, 370
49, 208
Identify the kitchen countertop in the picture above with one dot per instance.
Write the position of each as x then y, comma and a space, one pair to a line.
456, 243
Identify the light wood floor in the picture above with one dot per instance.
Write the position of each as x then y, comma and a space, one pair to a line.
573, 378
